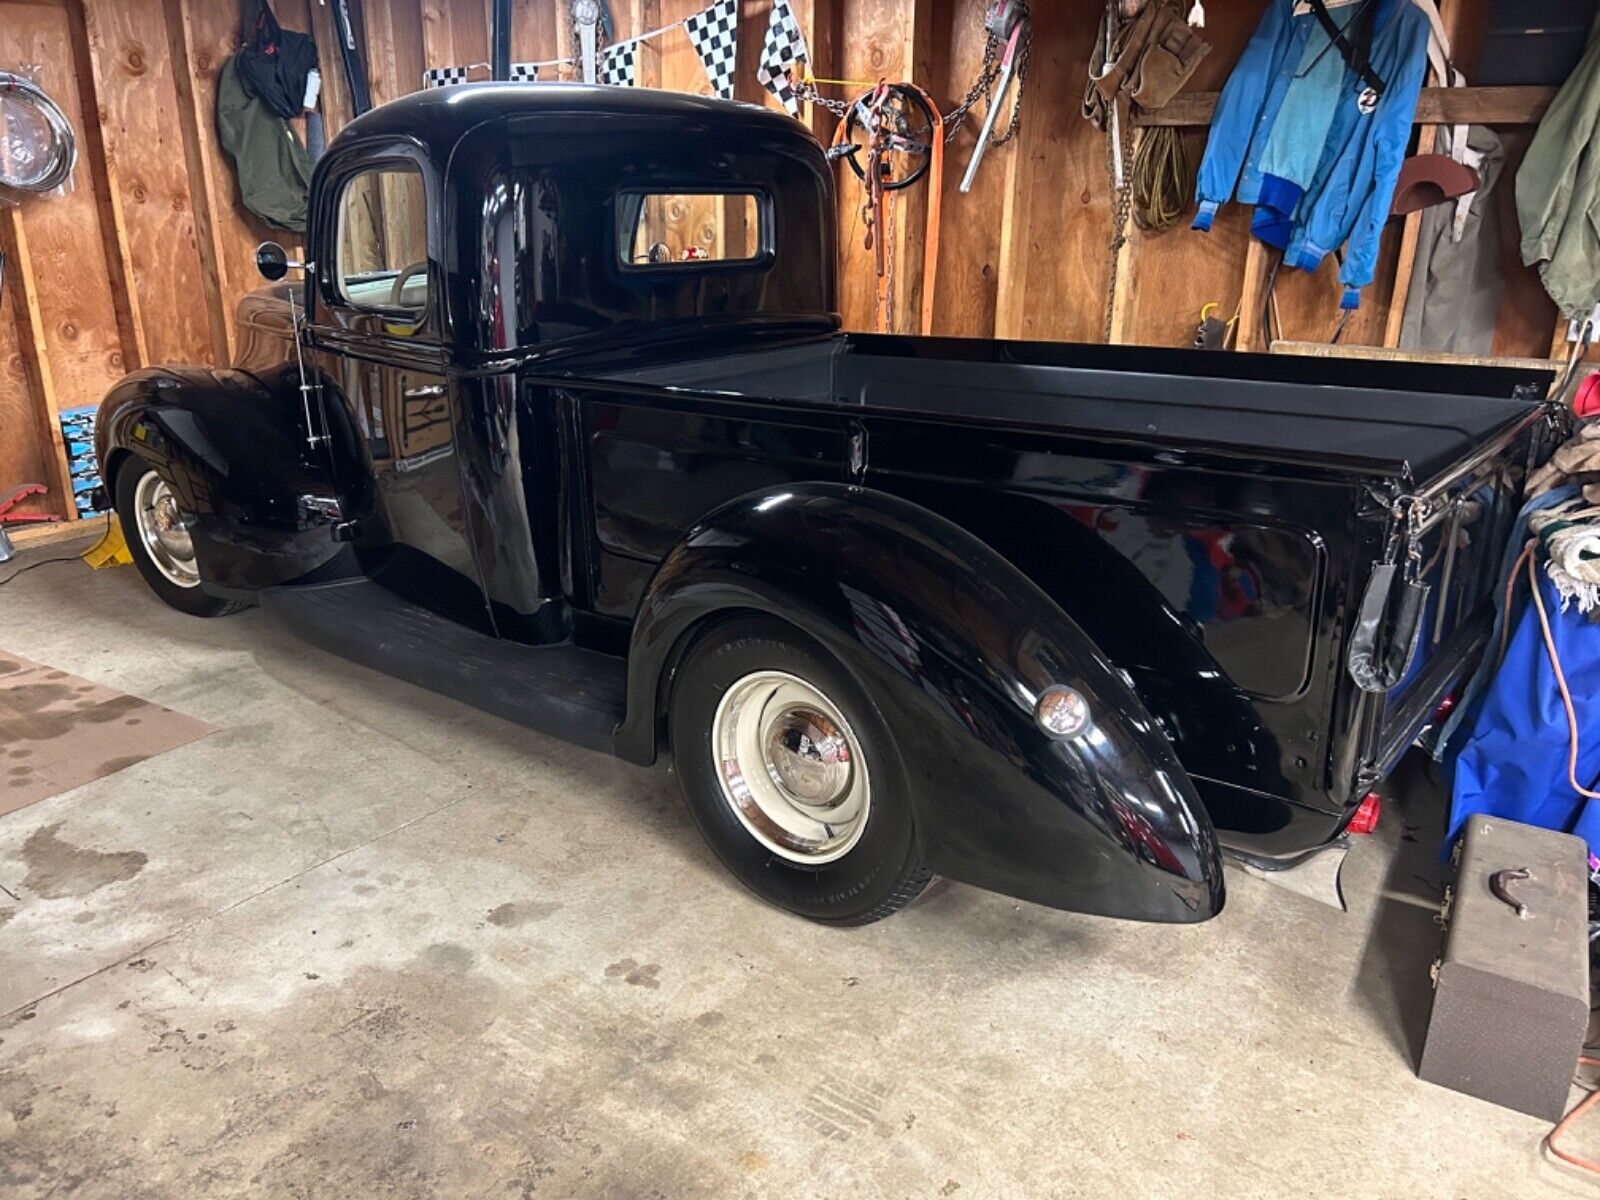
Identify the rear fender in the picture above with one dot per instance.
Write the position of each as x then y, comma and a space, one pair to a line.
954, 645
233, 448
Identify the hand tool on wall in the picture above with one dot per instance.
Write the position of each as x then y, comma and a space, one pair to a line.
355, 69
1006, 23
585, 25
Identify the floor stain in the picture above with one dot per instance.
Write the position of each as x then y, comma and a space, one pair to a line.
513, 914
112, 765
447, 956
58, 869
6, 914
630, 971
23, 720
31, 697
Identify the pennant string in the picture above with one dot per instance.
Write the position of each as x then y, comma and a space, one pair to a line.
643, 37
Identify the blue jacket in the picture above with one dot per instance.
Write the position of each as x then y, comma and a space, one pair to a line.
1348, 197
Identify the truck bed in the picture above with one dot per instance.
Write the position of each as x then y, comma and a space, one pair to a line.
1405, 420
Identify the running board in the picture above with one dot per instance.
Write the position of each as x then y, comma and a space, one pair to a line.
564, 690
1314, 875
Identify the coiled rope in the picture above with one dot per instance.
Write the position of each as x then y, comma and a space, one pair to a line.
54, 167
1162, 185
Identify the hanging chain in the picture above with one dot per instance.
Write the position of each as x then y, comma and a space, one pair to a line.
982, 89
988, 76
808, 92
1118, 130
888, 248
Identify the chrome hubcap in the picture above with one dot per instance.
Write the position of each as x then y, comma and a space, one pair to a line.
791, 768
162, 532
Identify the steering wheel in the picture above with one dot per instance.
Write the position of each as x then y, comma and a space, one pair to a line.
397, 291
907, 124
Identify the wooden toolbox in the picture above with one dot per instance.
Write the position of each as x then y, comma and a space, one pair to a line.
1511, 988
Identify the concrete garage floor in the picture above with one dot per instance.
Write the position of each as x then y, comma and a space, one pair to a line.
365, 942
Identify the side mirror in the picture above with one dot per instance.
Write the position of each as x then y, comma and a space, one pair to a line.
273, 261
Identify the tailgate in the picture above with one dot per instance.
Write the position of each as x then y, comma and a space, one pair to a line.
1466, 516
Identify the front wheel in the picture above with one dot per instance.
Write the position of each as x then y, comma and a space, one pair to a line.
791, 775
160, 543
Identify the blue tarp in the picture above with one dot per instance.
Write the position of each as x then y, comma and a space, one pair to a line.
1513, 764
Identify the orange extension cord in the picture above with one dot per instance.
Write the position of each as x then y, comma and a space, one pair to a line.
1584, 1106
1561, 682
1550, 652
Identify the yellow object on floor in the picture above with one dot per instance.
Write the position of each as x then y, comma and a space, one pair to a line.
111, 550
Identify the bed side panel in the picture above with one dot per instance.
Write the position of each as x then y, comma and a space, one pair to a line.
1220, 593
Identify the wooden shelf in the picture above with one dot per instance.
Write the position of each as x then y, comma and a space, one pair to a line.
1436, 106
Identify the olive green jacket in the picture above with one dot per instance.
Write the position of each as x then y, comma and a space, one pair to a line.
273, 168
1558, 192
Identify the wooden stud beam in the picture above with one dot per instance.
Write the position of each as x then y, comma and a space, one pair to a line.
107, 186
36, 354
915, 271
565, 45
819, 19
1258, 259
32, 537
1405, 265
1436, 106
643, 16
1011, 297
207, 197
1125, 304
1411, 226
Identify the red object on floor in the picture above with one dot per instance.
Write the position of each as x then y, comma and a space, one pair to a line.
18, 495
1366, 818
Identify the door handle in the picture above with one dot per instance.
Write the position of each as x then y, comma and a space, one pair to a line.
426, 392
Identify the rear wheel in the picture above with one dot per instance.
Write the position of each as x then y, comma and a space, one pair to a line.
791, 775
160, 543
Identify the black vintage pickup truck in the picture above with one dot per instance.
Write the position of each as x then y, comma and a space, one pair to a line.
561, 423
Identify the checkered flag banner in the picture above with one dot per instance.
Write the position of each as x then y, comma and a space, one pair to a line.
783, 50
715, 35
617, 64
444, 77
524, 72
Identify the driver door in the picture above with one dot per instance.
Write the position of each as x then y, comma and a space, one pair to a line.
378, 337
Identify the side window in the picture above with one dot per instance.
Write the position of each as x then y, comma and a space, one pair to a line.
659, 227
382, 249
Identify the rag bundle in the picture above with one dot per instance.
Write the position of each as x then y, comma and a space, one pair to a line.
1569, 536
1577, 460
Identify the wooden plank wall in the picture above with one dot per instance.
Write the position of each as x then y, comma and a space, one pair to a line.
144, 258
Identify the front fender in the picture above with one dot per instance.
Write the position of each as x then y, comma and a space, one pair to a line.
233, 448
954, 645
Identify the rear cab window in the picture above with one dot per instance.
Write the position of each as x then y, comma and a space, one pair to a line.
658, 229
